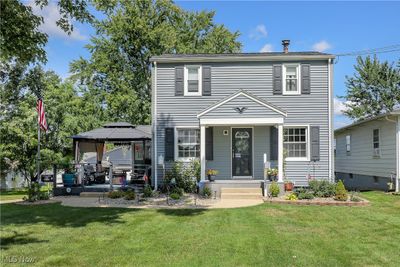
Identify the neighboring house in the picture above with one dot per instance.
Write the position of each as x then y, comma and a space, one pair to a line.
229, 110
368, 152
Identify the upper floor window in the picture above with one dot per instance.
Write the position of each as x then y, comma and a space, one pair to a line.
376, 142
348, 144
291, 74
192, 81
295, 142
188, 143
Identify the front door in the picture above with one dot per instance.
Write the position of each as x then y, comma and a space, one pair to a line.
242, 152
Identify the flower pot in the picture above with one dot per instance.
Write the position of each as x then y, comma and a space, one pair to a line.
272, 177
288, 186
211, 178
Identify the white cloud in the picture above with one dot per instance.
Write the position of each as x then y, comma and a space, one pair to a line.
266, 48
259, 32
322, 46
51, 14
339, 106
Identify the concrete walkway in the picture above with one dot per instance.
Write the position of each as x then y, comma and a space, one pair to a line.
74, 201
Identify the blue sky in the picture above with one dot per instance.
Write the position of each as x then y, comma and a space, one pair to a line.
332, 27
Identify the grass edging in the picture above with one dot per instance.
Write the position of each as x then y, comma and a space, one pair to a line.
364, 202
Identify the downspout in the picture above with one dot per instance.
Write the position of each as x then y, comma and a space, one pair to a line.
330, 119
154, 119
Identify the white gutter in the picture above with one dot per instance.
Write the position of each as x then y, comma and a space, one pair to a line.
331, 163
154, 119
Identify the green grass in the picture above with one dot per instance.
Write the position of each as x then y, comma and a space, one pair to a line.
264, 235
12, 195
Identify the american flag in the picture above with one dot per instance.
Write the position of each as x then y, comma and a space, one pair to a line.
41, 115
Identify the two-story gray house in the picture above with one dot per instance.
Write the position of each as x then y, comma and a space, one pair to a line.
368, 153
233, 112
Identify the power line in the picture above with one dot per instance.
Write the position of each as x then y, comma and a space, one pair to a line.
386, 49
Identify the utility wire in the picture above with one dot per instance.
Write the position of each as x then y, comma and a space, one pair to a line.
385, 49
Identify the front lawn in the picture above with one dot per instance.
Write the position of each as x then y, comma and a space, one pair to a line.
12, 194
264, 235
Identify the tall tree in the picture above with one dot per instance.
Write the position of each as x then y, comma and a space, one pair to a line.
374, 89
118, 71
20, 37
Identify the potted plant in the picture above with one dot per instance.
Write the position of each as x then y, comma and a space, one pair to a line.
288, 185
211, 173
272, 174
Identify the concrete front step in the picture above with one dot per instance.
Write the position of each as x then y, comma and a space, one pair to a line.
92, 194
241, 196
241, 190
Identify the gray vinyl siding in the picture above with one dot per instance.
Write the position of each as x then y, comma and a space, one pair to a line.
253, 110
360, 160
257, 79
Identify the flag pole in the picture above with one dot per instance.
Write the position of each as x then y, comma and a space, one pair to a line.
38, 150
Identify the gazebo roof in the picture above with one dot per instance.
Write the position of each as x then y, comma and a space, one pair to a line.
117, 132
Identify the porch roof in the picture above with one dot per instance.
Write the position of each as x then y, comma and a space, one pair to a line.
242, 106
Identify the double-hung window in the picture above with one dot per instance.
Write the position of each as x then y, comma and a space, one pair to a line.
193, 84
348, 144
376, 143
295, 142
188, 143
291, 79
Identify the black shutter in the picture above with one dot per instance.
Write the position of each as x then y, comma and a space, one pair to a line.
209, 144
305, 78
314, 143
206, 76
169, 144
179, 81
277, 76
274, 143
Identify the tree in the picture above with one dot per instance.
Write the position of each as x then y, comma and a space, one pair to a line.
66, 111
118, 71
20, 37
373, 90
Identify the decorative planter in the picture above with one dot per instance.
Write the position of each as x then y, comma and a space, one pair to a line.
289, 186
211, 178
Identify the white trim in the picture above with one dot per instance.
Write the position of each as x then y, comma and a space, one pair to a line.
154, 118
240, 58
331, 151
241, 121
298, 73
202, 153
252, 153
240, 93
185, 80
176, 128
280, 153
308, 143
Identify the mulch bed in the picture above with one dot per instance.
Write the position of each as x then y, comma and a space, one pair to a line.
318, 202
39, 202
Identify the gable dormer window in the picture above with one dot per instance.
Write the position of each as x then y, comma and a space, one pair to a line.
193, 86
291, 81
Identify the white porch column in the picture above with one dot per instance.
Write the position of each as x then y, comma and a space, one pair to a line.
203, 152
280, 153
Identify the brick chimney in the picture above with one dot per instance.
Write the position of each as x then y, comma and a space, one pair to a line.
285, 44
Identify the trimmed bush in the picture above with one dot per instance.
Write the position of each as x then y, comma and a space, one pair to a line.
178, 190
147, 191
206, 192
115, 194
130, 195
274, 189
322, 188
341, 192
305, 195
175, 196
185, 175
